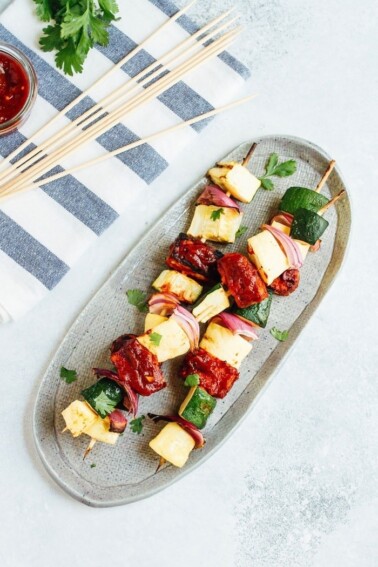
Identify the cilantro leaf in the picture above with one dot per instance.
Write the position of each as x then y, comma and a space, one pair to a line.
51, 39
138, 299
79, 24
44, 10
68, 376
103, 404
267, 184
93, 465
136, 425
241, 231
215, 215
279, 335
273, 168
285, 168
271, 164
192, 380
155, 338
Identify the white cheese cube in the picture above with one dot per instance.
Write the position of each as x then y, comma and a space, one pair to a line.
77, 416
168, 340
219, 224
267, 255
223, 344
174, 444
152, 320
214, 303
235, 179
303, 246
100, 431
183, 287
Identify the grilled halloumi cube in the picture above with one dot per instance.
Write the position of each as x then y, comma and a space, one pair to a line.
167, 340
100, 431
78, 416
303, 246
174, 444
219, 224
223, 344
267, 255
81, 418
235, 179
152, 320
213, 303
184, 288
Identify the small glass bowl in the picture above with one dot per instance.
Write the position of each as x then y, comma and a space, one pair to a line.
22, 115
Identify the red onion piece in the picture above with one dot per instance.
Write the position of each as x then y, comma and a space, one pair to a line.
163, 303
188, 324
214, 195
186, 425
118, 421
315, 247
283, 218
130, 401
236, 325
289, 245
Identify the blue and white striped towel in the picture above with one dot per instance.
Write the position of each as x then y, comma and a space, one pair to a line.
44, 232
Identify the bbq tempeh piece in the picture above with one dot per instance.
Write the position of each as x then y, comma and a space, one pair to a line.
194, 258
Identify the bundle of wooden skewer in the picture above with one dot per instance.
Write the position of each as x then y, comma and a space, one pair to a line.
21, 171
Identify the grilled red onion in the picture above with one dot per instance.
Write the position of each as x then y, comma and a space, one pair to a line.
118, 421
283, 218
236, 325
186, 425
289, 245
162, 303
130, 401
188, 324
213, 195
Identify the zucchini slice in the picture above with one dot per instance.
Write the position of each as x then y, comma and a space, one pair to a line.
258, 313
307, 226
302, 198
197, 406
103, 396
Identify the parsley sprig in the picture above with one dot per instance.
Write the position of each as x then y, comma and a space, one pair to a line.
137, 298
136, 425
216, 215
275, 169
279, 335
78, 26
155, 338
68, 376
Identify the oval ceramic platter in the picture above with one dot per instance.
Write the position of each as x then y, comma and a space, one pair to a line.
127, 472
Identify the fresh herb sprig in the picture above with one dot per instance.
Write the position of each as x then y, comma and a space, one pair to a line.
137, 298
78, 26
68, 376
136, 425
275, 169
279, 335
216, 215
155, 338
242, 230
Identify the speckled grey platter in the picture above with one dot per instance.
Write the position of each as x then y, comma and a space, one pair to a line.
127, 472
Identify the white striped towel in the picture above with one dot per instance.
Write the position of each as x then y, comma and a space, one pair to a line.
44, 232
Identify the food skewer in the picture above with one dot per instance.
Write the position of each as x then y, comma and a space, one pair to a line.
141, 79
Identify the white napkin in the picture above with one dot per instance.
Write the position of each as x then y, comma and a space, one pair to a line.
44, 232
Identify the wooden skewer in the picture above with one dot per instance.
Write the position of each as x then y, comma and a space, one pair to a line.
325, 176
249, 154
141, 79
331, 202
106, 75
123, 149
110, 120
89, 448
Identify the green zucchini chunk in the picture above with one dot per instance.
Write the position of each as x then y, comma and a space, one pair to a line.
197, 406
103, 396
301, 198
258, 313
307, 226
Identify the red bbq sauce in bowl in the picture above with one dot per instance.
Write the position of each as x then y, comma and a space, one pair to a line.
18, 88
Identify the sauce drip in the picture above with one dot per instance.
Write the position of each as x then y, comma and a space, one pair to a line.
14, 87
